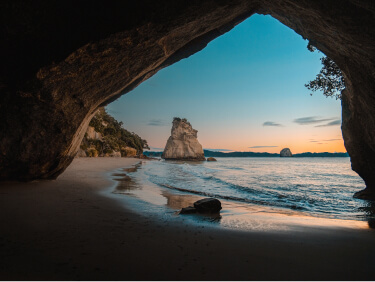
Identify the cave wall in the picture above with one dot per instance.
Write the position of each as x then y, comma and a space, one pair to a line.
61, 60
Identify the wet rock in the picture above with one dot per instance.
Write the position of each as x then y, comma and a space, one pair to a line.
188, 210
210, 205
211, 159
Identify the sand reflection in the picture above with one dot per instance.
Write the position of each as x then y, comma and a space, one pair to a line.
175, 201
126, 183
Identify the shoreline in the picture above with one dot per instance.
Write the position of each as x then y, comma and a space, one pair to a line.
66, 230
137, 191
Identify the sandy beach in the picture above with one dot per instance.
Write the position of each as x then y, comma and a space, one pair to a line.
66, 230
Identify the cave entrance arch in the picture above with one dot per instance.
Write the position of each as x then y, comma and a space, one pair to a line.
60, 64
250, 82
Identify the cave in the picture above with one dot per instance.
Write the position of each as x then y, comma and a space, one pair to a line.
61, 60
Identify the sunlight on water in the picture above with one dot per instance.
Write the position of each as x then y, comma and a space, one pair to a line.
319, 186
256, 193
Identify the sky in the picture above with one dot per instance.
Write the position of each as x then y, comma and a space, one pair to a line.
244, 92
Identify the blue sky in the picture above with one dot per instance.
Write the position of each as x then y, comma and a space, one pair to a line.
244, 91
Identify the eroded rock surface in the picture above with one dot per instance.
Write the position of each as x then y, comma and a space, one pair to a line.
92, 134
183, 143
286, 153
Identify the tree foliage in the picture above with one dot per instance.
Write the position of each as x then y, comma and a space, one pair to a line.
183, 120
115, 137
330, 79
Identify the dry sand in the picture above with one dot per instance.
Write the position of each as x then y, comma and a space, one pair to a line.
65, 230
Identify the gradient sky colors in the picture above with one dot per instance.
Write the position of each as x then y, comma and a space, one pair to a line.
245, 92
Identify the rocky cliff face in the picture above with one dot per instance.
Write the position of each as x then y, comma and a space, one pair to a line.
105, 137
286, 153
183, 143
94, 145
92, 134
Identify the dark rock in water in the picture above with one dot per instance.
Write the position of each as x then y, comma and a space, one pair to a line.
208, 205
188, 210
211, 159
366, 194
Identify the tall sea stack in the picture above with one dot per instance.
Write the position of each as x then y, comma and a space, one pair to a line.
183, 143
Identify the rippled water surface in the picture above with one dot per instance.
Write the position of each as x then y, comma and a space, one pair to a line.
319, 186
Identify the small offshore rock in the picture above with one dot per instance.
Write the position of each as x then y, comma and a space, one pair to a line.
208, 205
188, 210
211, 159
286, 153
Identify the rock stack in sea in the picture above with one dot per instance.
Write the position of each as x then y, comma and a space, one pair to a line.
286, 153
183, 143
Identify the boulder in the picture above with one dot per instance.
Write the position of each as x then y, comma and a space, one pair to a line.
210, 205
81, 153
211, 159
188, 210
183, 143
286, 153
115, 154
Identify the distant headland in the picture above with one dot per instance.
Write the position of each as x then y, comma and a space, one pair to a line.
208, 153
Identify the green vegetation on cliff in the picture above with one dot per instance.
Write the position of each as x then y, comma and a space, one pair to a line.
114, 138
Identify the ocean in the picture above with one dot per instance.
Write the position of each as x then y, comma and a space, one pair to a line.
319, 187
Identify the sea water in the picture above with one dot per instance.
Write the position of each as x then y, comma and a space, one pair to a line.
322, 187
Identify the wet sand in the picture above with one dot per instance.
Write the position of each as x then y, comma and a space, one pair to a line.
66, 230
